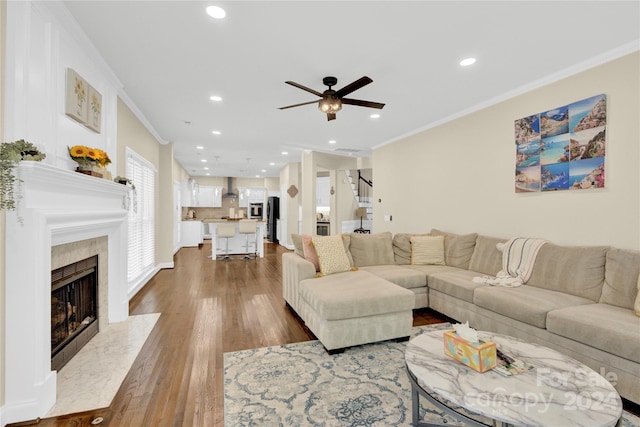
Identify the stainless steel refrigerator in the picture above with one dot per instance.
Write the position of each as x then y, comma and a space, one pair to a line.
273, 214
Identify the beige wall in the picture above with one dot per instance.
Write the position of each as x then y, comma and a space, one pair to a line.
459, 176
133, 134
164, 239
179, 173
3, 15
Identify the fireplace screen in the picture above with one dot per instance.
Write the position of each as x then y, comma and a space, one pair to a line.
74, 309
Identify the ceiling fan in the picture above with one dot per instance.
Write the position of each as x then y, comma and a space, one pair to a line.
332, 100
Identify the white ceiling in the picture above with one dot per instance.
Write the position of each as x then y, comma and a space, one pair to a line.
171, 57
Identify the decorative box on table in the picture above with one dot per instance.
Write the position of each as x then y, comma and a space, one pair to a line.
479, 356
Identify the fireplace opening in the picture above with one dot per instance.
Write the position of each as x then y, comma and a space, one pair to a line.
74, 309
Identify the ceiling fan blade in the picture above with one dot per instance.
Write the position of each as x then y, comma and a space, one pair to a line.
331, 116
299, 86
360, 103
362, 81
297, 105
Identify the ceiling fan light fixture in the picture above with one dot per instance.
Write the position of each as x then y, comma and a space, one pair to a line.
330, 105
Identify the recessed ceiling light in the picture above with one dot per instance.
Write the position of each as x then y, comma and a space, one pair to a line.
333, 141
215, 98
272, 164
207, 174
468, 61
263, 171
216, 12
206, 168
284, 153
216, 132
257, 176
203, 160
375, 116
200, 147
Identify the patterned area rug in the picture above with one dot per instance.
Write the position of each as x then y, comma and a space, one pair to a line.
301, 385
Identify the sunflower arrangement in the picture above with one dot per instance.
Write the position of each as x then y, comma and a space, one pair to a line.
86, 156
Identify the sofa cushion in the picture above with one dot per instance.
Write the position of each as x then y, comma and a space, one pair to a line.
456, 283
574, 270
402, 247
427, 250
354, 294
371, 249
458, 248
430, 270
603, 326
402, 276
524, 303
331, 254
297, 244
486, 258
621, 272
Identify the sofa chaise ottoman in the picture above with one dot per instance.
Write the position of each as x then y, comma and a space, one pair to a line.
354, 308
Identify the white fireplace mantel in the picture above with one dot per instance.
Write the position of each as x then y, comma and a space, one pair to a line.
57, 206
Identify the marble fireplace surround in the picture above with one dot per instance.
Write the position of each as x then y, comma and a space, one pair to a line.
58, 207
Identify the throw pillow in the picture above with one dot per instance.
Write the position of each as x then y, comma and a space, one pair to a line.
372, 249
332, 257
636, 306
427, 250
402, 247
458, 248
309, 251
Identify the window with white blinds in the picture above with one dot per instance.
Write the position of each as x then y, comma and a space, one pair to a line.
141, 241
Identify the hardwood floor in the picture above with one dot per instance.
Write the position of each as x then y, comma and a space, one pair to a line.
207, 308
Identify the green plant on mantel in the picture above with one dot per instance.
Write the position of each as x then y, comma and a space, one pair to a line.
124, 181
12, 153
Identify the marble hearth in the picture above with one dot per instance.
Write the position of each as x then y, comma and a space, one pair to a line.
73, 214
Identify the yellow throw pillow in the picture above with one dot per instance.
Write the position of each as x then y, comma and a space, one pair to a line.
331, 254
427, 250
636, 306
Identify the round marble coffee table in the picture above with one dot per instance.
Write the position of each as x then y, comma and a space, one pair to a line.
558, 391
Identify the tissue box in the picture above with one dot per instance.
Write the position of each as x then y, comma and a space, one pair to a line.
478, 356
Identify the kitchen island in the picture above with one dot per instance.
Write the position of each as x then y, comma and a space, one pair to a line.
236, 243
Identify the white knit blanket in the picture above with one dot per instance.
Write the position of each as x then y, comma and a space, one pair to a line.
518, 257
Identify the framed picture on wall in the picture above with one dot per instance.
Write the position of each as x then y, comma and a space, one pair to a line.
94, 120
76, 99
563, 148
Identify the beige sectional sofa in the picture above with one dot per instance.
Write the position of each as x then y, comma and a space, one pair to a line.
578, 300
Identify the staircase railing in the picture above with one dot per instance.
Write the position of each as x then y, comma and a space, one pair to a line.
365, 188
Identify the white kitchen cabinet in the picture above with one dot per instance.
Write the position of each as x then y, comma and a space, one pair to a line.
217, 197
251, 195
191, 233
243, 197
207, 197
188, 192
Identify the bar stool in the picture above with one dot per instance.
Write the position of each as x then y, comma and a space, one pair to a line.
246, 227
225, 231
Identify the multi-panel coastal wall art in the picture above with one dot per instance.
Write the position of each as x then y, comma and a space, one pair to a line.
83, 103
563, 148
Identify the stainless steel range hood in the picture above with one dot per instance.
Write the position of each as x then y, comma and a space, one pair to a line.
230, 194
